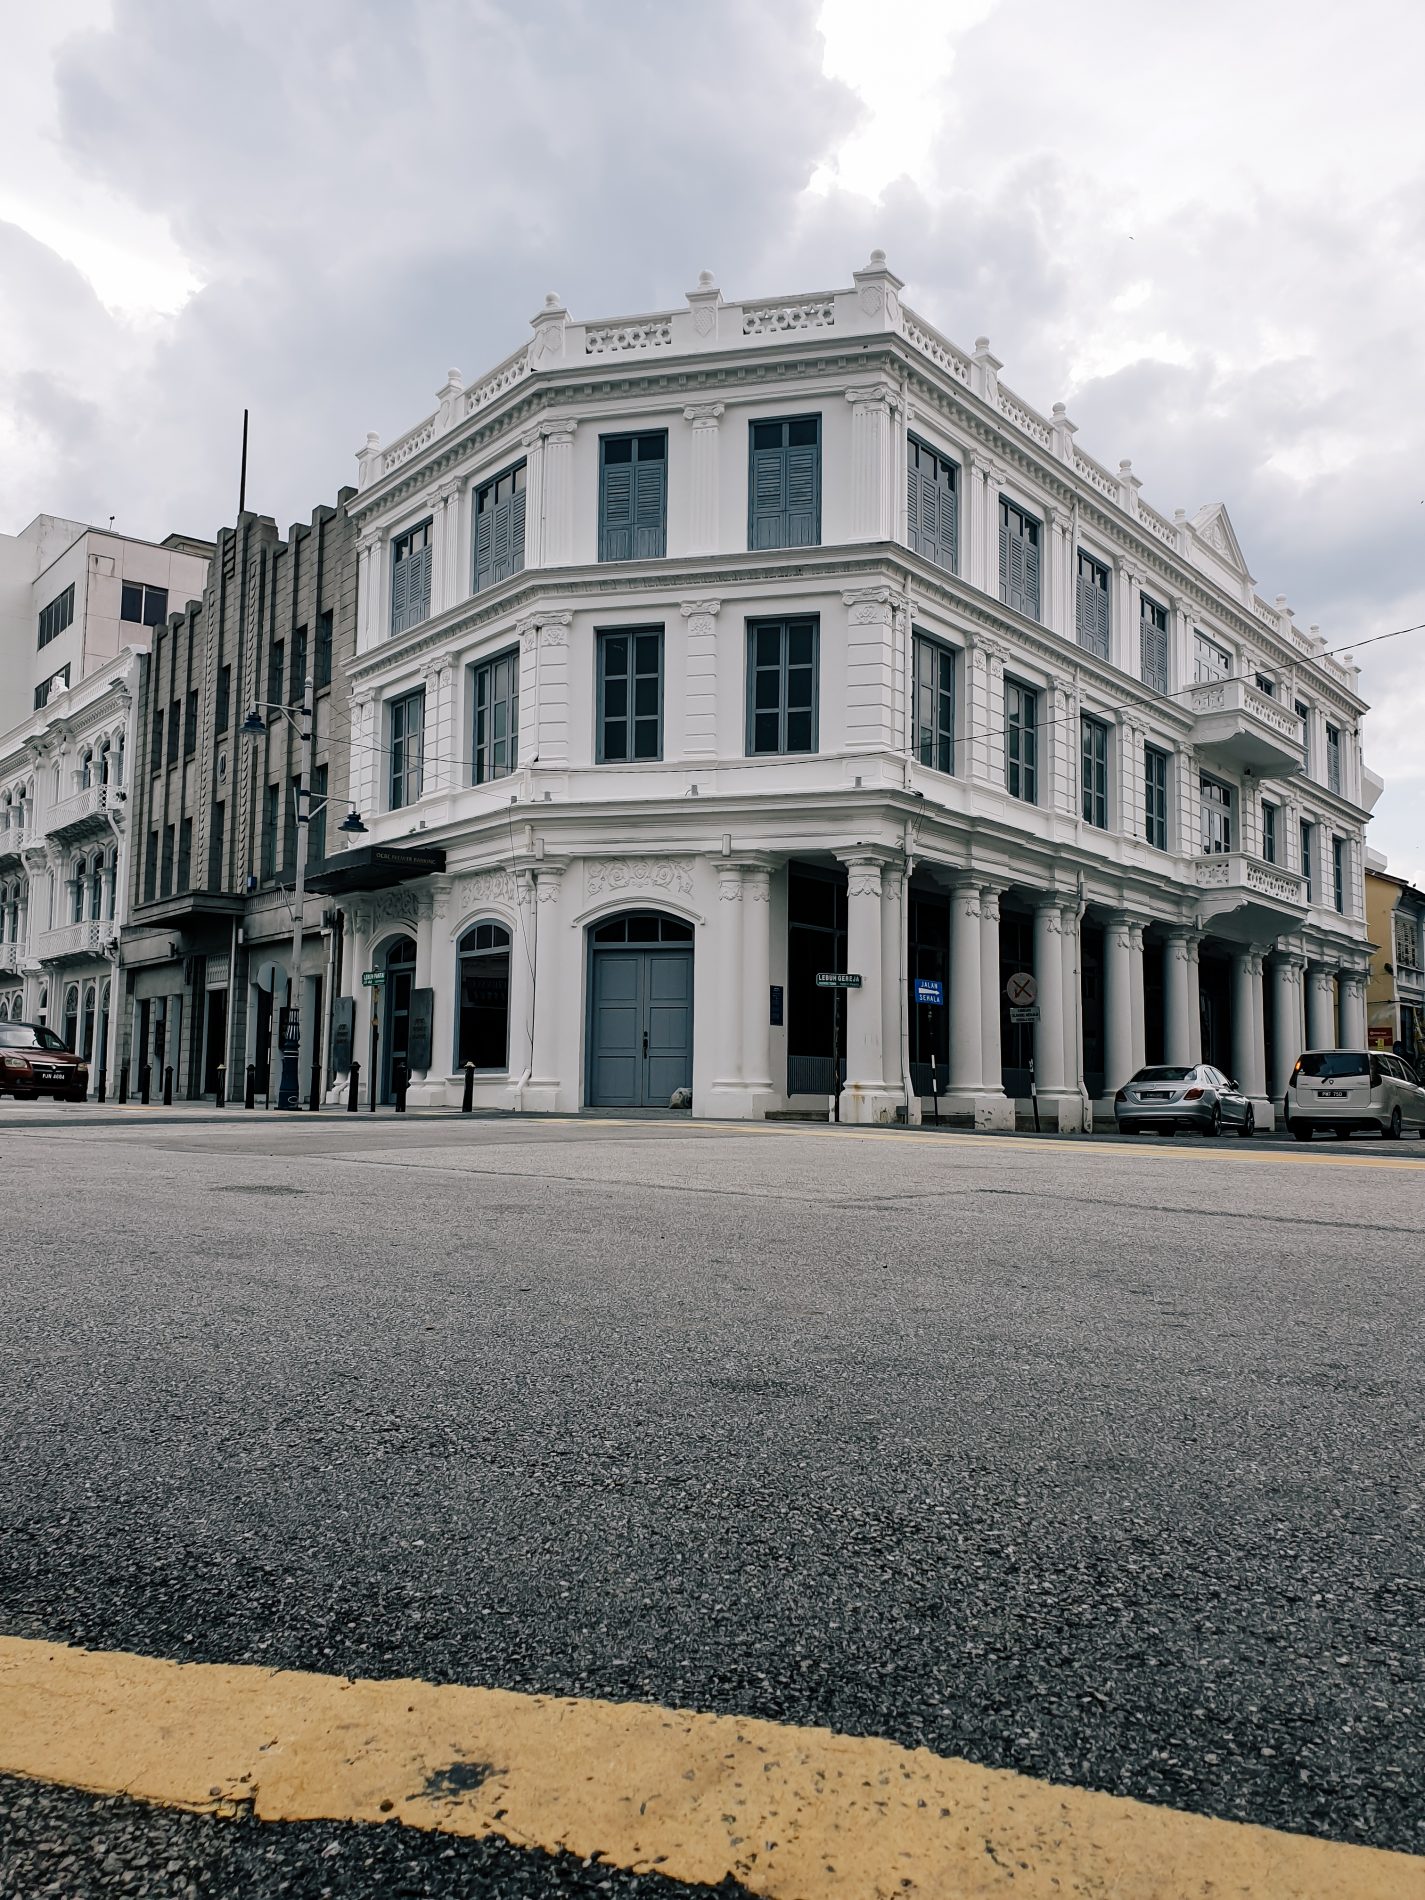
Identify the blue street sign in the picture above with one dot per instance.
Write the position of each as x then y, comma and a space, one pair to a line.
928, 990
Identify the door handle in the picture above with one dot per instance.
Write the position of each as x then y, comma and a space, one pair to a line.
645, 1045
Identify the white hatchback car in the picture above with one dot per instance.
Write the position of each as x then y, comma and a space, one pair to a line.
1348, 1090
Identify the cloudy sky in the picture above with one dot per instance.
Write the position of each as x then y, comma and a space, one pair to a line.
1203, 229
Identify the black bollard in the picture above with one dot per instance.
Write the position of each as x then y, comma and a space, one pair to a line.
250, 1099
400, 1082
467, 1100
314, 1100
168, 1088
353, 1089
145, 1074
123, 1085
221, 1097
99, 1092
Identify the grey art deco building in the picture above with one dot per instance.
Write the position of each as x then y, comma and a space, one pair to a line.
213, 815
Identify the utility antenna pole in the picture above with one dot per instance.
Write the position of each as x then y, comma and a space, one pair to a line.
242, 478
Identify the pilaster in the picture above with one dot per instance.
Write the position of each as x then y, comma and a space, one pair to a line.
703, 477
557, 548
873, 409
870, 667
700, 676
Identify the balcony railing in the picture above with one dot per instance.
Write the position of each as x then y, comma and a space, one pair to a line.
84, 808
91, 938
1240, 726
1239, 874
13, 956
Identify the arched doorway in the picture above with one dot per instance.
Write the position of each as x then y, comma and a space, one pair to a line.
640, 1010
400, 968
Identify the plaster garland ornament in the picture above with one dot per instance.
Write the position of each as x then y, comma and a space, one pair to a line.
392, 907
485, 887
624, 874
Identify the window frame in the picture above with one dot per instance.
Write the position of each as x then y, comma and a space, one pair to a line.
1270, 811
403, 770
1334, 751
491, 952
1339, 873
404, 618
1224, 807
483, 577
55, 617
916, 447
634, 437
783, 422
934, 737
784, 624
1007, 534
1211, 677
603, 638
1156, 794
1153, 617
1306, 843
144, 618
1093, 770
1021, 774
1097, 567
486, 669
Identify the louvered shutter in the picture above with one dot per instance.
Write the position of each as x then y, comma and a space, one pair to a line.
769, 506
1093, 615
912, 509
1005, 539
1029, 603
517, 513
1155, 655
499, 541
803, 496
418, 586
948, 528
400, 592
484, 547
617, 525
649, 492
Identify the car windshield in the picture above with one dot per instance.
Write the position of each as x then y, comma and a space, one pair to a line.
28, 1036
1328, 1064
1163, 1075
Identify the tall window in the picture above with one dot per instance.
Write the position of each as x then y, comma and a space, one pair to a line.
932, 505
175, 716
483, 1029
633, 497
1152, 644
150, 868
216, 820
1407, 942
1215, 804
1091, 606
289, 824
190, 723
271, 813
1093, 752
1303, 713
1266, 684
276, 671
499, 527
322, 671
630, 695
1155, 797
407, 730
223, 708
155, 748
145, 606
1210, 661
497, 717
1333, 758
1021, 741
784, 484
1018, 559
934, 703
1308, 852
299, 665
165, 888
185, 854
1338, 873
782, 686
410, 577
57, 616
317, 820
1269, 831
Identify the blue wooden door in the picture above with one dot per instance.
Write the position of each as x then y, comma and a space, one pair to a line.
641, 1027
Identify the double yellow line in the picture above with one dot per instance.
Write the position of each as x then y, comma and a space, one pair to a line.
796, 1813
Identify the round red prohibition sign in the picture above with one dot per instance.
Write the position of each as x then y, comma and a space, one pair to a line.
1021, 989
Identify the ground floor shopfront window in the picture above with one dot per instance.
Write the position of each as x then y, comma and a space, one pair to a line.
483, 1023
816, 942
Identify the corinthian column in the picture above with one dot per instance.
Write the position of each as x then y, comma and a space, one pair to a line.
549, 1087
966, 997
1118, 973
1049, 975
864, 1099
727, 1030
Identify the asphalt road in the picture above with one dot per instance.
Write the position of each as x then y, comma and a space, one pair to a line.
1101, 1462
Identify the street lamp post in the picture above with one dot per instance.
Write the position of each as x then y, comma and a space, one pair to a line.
289, 1088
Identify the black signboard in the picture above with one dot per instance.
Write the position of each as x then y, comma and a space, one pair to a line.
343, 1033
776, 1006
418, 1029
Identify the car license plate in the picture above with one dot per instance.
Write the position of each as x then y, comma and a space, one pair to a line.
1331, 1095
1154, 1095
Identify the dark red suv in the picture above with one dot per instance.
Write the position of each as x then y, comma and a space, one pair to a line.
34, 1061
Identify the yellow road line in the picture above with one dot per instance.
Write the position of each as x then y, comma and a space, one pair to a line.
797, 1813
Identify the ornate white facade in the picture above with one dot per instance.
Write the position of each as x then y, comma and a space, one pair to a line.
932, 694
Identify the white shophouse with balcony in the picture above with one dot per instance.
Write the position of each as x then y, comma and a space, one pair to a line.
707, 653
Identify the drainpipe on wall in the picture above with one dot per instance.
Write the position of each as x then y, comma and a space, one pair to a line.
532, 952
912, 1099
1079, 1008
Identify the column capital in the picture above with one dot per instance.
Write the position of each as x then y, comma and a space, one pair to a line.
559, 428
869, 604
703, 415
699, 608
876, 394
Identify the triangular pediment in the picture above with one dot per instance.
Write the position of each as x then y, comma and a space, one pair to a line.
1213, 526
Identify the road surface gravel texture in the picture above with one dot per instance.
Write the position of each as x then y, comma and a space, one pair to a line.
1096, 1463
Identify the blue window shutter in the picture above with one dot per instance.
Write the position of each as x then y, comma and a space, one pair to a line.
1031, 580
484, 547
769, 506
617, 522
1004, 562
649, 510
803, 496
948, 531
517, 511
912, 508
400, 593
418, 587
500, 541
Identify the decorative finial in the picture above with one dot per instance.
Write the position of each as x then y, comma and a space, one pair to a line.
551, 300
878, 260
705, 280
981, 343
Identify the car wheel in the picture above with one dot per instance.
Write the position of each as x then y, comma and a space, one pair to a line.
1214, 1125
1391, 1130
1302, 1130
1249, 1123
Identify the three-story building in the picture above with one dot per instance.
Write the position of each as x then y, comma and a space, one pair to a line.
707, 654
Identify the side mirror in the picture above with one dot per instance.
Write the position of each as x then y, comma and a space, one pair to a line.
1236, 1087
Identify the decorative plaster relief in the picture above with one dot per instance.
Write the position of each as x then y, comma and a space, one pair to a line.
624, 874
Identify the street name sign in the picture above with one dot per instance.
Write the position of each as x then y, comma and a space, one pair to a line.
372, 979
837, 980
1030, 1015
1022, 990
928, 990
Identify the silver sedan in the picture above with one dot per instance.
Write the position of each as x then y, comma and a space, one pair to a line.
1172, 1096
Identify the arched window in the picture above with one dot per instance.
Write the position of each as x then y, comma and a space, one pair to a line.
96, 887
482, 1033
86, 769
76, 891
42, 1013
70, 1031
86, 1045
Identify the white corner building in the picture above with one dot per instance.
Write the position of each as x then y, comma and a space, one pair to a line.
78, 606
706, 653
